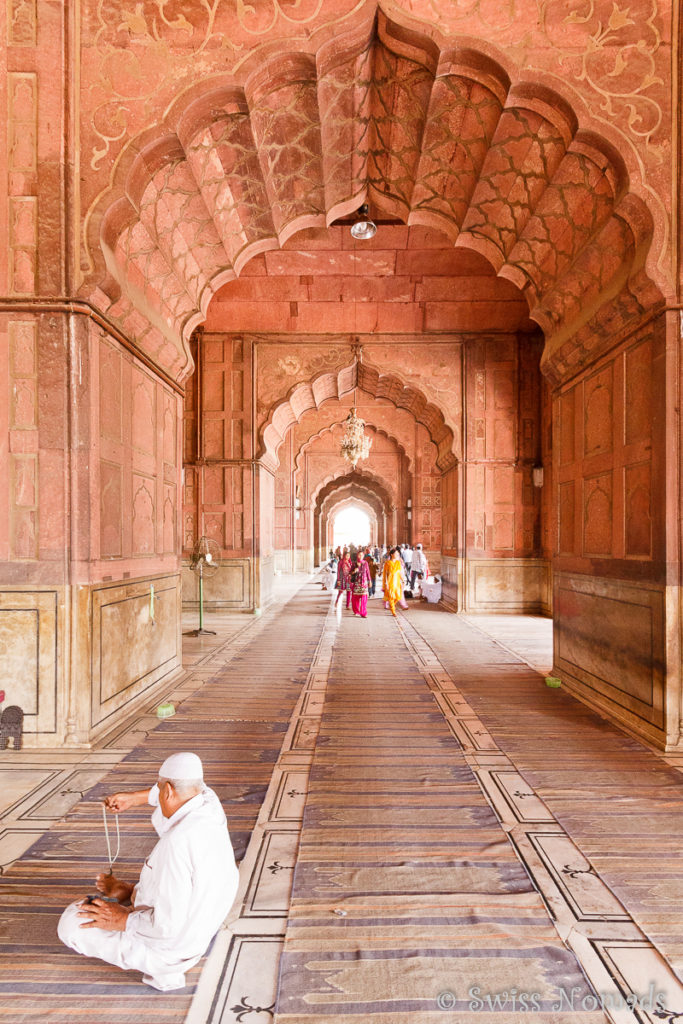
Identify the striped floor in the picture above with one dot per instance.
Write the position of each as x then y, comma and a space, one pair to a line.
408, 899
449, 823
621, 802
236, 723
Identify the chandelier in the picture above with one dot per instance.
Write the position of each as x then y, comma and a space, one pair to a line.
354, 444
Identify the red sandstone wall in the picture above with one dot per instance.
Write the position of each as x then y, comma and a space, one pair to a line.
32, 171
218, 491
111, 455
608, 463
504, 569
34, 431
426, 524
503, 443
135, 466
284, 515
220, 485
610, 564
265, 558
88, 524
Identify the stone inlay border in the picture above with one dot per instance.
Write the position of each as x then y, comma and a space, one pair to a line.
240, 976
614, 953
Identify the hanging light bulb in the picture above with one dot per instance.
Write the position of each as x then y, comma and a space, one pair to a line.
363, 228
354, 444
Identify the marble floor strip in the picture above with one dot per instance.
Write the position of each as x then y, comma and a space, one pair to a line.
408, 899
236, 722
239, 979
617, 955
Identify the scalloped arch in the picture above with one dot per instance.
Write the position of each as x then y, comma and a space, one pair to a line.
351, 501
311, 395
432, 132
367, 482
327, 516
339, 423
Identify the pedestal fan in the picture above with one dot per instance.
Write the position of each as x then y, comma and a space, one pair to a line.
205, 561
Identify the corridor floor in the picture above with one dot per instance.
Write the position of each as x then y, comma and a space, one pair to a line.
426, 831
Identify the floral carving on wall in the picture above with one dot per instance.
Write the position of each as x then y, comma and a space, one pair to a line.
613, 49
254, 153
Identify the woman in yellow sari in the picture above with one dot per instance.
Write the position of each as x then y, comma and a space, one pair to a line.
392, 582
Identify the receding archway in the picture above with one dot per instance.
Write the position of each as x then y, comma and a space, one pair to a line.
358, 488
584, 280
312, 394
351, 524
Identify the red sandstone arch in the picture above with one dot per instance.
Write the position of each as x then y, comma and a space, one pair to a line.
353, 501
318, 475
322, 531
370, 428
358, 482
342, 501
430, 131
355, 486
311, 395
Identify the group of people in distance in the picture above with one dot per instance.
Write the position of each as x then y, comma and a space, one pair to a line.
357, 569
356, 577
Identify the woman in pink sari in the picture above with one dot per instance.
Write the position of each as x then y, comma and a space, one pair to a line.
344, 578
361, 586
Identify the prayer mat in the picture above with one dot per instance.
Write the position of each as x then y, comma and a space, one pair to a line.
236, 723
620, 802
409, 903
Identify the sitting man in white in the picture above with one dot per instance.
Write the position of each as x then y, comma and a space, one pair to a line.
163, 925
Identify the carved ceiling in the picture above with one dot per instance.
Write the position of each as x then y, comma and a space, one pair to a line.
312, 394
428, 135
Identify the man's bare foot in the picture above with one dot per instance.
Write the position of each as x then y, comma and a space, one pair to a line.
110, 885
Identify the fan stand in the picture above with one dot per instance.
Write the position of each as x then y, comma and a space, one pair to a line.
201, 631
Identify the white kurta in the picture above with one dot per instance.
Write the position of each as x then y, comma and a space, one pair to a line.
419, 562
187, 886
188, 881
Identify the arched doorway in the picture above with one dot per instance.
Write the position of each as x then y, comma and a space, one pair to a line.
350, 524
351, 489
541, 204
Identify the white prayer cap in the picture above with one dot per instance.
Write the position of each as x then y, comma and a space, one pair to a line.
182, 766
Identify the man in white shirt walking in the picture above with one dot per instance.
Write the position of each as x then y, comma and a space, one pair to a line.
163, 925
418, 566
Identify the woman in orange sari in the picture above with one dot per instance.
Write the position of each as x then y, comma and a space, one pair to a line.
392, 582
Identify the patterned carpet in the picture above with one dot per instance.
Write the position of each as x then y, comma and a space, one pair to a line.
621, 803
236, 723
408, 900
423, 853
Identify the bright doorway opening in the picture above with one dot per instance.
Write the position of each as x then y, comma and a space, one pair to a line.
351, 526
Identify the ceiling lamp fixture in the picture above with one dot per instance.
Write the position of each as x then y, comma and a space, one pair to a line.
354, 444
363, 228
